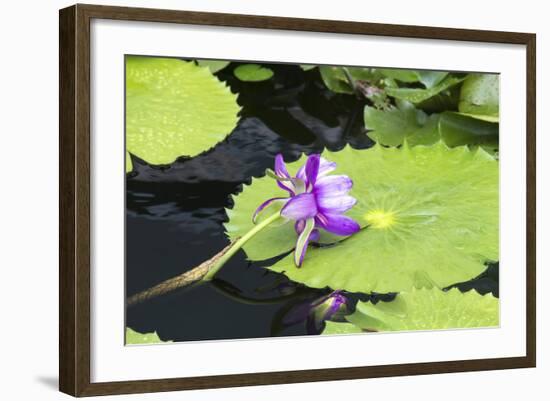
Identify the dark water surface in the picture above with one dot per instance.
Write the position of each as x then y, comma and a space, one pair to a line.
175, 215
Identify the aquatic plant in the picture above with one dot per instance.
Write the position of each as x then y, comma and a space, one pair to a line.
174, 108
430, 215
316, 201
422, 309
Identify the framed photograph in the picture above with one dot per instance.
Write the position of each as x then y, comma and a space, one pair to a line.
250, 200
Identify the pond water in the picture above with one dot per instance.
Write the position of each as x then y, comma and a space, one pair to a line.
175, 215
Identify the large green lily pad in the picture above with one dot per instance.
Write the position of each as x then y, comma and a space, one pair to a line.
430, 216
425, 309
175, 108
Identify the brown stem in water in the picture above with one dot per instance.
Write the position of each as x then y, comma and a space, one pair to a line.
186, 279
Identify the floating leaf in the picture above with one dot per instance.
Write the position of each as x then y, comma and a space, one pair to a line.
419, 95
213, 65
427, 309
129, 164
133, 337
432, 214
390, 127
457, 129
333, 328
253, 73
174, 108
479, 95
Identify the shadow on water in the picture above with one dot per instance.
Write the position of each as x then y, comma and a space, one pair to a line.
175, 215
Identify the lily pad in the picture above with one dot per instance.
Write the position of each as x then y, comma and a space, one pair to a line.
175, 108
253, 73
457, 129
430, 216
334, 328
427, 309
479, 95
133, 337
419, 95
391, 127
213, 65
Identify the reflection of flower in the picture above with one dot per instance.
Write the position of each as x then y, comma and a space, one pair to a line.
317, 200
327, 307
315, 312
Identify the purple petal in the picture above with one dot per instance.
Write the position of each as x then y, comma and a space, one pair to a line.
309, 171
336, 300
314, 236
300, 207
287, 186
299, 226
264, 205
333, 185
281, 171
325, 167
303, 241
312, 169
337, 224
335, 204
280, 167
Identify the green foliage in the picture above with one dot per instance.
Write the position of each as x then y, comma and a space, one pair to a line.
428, 78
419, 95
405, 122
479, 96
213, 65
430, 215
252, 73
133, 337
404, 105
426, 309
174, 108
337, 79
333, 328
457, 129
431, 78
391, 127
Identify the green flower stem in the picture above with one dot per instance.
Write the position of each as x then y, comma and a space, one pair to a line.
239, 244
203, 272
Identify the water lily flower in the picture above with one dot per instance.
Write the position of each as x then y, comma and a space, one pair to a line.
329, 306
316, 200
316, 312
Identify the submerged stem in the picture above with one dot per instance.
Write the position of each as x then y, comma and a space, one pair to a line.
203, 272
239, 244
